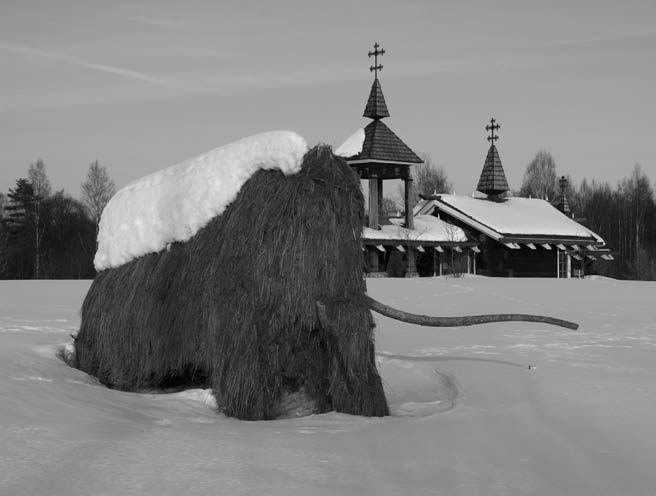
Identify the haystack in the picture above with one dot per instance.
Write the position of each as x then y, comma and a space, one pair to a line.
267, 300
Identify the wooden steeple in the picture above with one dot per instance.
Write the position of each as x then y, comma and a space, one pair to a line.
563, 204
493, 179
376, 107
384, 155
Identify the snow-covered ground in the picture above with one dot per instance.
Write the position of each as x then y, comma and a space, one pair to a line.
470, 416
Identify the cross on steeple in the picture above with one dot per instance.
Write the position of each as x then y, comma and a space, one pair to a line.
376, 67
492, 127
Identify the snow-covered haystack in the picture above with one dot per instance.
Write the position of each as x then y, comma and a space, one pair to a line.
265, 302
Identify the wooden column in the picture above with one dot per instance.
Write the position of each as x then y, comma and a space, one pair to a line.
374, 189
409, 219
411, 270
435, 261
372, 254
380, 201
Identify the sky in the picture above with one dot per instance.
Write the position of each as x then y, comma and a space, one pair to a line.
142, 85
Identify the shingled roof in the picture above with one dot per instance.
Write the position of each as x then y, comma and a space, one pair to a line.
376, 107
493, 179
380, 143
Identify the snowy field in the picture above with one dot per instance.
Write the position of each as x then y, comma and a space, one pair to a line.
470, 416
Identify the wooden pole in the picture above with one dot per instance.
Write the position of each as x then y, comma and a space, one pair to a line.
380, 201
373, 203
434, 258
372, 254
409, 218
411, 270
427, 320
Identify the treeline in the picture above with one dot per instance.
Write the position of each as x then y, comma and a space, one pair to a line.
46, 235
624, 215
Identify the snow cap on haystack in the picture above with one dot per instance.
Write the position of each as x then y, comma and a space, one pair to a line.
173, 204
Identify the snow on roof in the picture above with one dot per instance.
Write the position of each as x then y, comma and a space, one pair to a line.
352, 146
516, 216
427, 228
174, 203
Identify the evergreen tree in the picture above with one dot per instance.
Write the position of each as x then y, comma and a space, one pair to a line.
20, 225
3, 204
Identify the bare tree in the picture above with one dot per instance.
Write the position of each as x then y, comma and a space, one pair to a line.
429, 178
626, 218
97, 190
540, 177
42, 189
39, 180
390, 208
638, 194
457, 265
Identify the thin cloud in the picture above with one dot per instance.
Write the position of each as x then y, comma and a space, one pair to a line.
457, 66
86, 64
156, 21
70, 98
232, 84
590, 41
239, 83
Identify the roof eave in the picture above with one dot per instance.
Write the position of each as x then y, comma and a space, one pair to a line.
359, 161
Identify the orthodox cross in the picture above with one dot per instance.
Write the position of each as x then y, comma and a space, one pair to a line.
492, 127
376, 67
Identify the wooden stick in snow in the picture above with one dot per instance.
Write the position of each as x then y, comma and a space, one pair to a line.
427, 320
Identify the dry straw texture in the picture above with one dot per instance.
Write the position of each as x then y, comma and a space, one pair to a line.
235, 307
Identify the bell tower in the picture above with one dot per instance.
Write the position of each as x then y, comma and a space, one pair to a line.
384, 155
